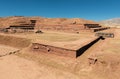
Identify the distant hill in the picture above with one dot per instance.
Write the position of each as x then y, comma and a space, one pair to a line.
111, 22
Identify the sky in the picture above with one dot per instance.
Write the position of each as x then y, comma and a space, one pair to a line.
96, 10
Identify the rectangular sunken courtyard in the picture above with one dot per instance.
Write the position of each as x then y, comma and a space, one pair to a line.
59, 43
74, 53
73, 48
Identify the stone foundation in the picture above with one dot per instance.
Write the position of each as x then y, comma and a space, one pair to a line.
42, 48
36, 47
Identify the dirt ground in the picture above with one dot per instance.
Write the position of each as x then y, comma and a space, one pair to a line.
58, 39
27, 65
14, 67
4, 50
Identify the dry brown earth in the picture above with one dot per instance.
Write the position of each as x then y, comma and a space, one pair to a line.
7, 21
27, 65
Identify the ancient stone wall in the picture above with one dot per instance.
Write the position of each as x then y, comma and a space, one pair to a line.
70, 27
41, 48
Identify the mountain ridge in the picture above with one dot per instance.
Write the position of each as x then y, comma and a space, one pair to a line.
114, 22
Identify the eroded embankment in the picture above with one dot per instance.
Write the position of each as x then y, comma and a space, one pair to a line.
14, 41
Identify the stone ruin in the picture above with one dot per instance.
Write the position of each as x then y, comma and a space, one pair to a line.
43, 48
92, 61
22, 26
36, 47
73, 27
95, 27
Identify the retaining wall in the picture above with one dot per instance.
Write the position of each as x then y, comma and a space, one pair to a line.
36, 47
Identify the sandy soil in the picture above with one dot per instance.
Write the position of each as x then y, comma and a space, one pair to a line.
4, 50
14, 67
58, 39
42, 66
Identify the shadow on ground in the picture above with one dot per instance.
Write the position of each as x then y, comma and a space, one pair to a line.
80, 51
